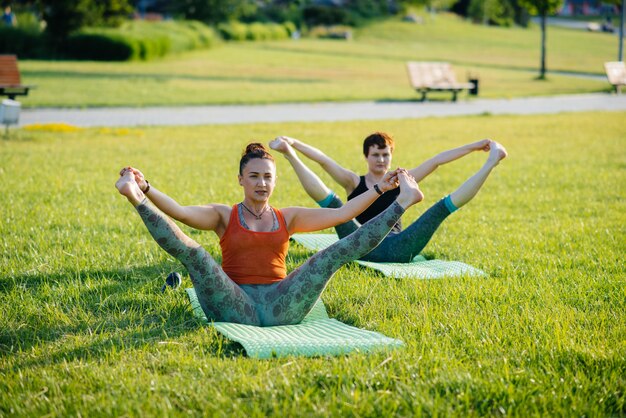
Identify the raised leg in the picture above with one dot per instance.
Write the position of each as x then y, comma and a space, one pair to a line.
221, 299
290, 300
468, 190
404, 246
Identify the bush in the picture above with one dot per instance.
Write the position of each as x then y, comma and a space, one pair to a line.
181, 35
139, 40
492, 12
236, 31
103, 47
233, 31
290, 27
21, 42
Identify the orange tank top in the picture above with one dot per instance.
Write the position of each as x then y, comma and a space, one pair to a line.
250, 257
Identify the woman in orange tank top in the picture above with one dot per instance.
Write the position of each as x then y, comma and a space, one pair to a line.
252, 285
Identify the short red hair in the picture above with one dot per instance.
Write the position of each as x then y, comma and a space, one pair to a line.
380, 139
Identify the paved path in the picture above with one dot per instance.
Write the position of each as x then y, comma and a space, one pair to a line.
298, 112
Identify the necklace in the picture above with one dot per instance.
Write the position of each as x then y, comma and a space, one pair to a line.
257, 217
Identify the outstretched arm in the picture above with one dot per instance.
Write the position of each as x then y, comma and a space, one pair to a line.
427, 167
206, 217
306, 220
346, 178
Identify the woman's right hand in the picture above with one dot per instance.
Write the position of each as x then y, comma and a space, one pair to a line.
483, 145
390, 180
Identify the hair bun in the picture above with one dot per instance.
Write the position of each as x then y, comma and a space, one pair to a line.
255, 147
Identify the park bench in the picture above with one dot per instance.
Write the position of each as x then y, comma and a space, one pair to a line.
435, 76
616, 73
10, 84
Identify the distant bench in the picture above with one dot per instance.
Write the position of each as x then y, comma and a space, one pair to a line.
616, 73
435, 76
10, 84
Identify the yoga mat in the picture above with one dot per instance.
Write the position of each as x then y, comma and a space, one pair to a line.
418, 268
316, 335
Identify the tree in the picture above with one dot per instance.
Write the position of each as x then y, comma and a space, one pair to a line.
543, 8
65, 16
491, 12
215, 11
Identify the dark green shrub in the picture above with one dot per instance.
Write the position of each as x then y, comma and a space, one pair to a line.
23, 43
102, 47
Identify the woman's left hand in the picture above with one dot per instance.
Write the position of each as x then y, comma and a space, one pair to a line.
139, 178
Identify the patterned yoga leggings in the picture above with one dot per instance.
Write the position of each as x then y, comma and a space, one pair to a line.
399, 247
281, 303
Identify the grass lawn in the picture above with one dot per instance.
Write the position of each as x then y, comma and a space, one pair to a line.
85, 330
371, 67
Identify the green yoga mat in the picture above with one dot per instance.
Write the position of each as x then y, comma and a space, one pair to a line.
418, 268
316, 335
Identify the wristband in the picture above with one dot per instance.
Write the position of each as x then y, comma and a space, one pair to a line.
380, 192
147, 187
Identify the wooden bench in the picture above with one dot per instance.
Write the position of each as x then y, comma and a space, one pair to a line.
435, 76
616, 73
10, 84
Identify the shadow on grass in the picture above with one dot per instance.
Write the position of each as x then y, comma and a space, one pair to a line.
459, 63
161, 78
110, 311
438, 98
126, 311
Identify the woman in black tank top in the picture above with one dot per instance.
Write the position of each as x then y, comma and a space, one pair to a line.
404, 245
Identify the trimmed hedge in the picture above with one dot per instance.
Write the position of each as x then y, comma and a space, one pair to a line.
237, 31
139, 40
102, 47
24, 43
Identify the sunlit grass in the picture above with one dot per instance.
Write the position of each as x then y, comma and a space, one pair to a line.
371, 67
85, 330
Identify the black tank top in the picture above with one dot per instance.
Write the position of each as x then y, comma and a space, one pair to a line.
379, 205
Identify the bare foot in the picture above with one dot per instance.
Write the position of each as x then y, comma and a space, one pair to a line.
496, 153
281, 145
127, 186
410, 192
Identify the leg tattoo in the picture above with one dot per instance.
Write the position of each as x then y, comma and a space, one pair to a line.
288, 301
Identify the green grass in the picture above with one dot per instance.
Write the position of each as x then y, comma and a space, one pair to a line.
371, 67
85, 330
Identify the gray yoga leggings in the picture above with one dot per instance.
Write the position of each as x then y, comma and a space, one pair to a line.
398, 247
280, 303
